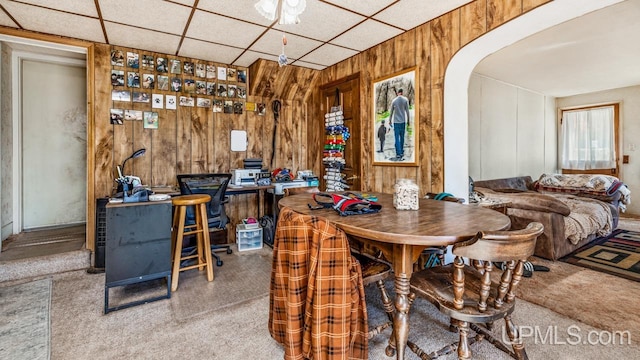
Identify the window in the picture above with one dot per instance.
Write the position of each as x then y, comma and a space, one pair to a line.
589, 140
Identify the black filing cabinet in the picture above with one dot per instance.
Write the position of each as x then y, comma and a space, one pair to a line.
138, 246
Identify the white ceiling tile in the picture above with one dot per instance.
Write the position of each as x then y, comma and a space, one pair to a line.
143, 39
243, 10
149, 14
366, 8
366, 35
309, 65
328, 55
271, 43
249, 57
55, 22
82, 7
223, 30
407, 14
322, 22
183, 2
5, 20
207, 51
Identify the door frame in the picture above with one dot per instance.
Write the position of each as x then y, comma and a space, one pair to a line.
17, 56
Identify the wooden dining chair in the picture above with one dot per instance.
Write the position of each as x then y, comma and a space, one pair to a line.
467, 294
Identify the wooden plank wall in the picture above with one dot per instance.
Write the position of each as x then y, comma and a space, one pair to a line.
197, 140
429, 48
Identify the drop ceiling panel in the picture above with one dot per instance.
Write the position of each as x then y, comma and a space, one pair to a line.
322, 22
223, 30
309, 65
407, 14
82, 7
271, 43
366, 8
249, 57
5, 20
55, 22
366, 35
208, 51
183, 2
328, 55
243, 10
128, 36
149, 14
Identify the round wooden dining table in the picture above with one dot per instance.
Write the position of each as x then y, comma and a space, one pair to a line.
402, 235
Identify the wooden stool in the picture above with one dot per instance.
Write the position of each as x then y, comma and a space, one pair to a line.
201, 228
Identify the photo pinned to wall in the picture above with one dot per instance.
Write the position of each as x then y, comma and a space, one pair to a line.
133, 79
117, 77
141, 97
228, 107
232, 91
187, 68
163, 82
170, 102
133, 115
261, 109
242, 76
147, 62
200, 70
237, 107
162, 65
211, 71
211, 88
242, 92
148, 81
222, 90
150, 120
117, 58
176, 66
395, 119
120, 95
217, 105
201, 87
189, 86
117, 115
176, 84
203, 102
250, 106
157, 101
186, 101
222, 73
231, 74
133, 60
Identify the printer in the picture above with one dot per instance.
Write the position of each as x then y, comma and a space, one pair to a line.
240, 177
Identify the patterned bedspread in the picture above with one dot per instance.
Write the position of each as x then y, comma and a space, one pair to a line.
588, 216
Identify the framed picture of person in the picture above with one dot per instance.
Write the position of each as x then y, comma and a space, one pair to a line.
395, 119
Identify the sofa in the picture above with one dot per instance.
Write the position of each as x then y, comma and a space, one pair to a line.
574, 209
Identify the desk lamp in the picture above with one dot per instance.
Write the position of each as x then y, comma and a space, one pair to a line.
122, 179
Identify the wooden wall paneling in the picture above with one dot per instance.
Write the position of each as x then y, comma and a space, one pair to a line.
372, 175
501, 11
405, 50
532, 4
163, 144
222, 139
445, 32
473, 21
285, 142
141, 166
183, 138
388, 67
103, 130
254, 132
423, 54
199, 140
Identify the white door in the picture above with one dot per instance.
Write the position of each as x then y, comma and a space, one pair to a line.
54, 144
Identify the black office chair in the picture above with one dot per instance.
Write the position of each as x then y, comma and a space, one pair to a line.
214, 185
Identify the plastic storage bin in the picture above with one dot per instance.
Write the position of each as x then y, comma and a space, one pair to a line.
248, 238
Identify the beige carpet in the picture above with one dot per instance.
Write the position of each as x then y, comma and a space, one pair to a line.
194, 324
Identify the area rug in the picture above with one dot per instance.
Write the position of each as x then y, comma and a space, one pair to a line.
617, 254
24, 320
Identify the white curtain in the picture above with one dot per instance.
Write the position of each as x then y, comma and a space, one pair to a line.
588, 139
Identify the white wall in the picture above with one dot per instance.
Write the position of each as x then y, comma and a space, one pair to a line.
512, 130
629, 99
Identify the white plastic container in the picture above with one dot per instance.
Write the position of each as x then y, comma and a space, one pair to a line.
406, 195
248, 238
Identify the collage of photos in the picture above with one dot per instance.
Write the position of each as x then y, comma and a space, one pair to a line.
137, 77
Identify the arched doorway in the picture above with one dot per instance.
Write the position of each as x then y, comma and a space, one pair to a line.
459, 69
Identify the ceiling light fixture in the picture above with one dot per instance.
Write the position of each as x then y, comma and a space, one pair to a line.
287, 10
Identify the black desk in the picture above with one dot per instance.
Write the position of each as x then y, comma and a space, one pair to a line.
138, 247
259, 190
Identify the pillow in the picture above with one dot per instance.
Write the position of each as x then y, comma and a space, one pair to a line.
528, 200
